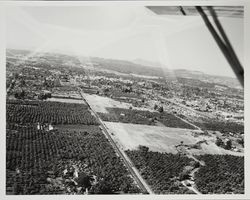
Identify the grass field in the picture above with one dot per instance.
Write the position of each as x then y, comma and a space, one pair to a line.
162, 139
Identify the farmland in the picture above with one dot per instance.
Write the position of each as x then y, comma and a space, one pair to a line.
143, 117
66, 100
41, 161
164, 139
100, 103
48, 112
39, 155
160, 170
164, 171
223, 174
76, 128
223, 127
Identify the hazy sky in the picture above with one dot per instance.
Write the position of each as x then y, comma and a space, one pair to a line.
123, 33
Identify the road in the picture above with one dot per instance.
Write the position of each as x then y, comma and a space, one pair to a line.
130, 166
188, 108
188, 122
191, 187
189, 183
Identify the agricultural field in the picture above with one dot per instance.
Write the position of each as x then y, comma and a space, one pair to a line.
46, 162
223, 127
100, 103
89, 90
162, 171
214, 124
209, 147
65, 92
79, 127
66, 100
48, 112
65, 89
222, 174
164, 139
73, 157
143, 117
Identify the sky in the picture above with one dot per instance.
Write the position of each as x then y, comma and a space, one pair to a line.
127, 33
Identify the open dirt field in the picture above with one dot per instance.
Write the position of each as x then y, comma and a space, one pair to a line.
65, 100
212, 148
100, 103
162, 139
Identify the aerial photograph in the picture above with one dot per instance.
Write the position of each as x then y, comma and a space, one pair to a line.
138, 100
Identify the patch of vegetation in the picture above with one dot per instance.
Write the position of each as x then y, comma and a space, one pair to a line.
143, 117
48, 112
160, 170
223, 127
221, 174
36, 160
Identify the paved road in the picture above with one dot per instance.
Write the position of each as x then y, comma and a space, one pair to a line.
132, 169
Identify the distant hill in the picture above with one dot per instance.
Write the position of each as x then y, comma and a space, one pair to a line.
16, 52
129, 67
220, 80
147, 63
138, 67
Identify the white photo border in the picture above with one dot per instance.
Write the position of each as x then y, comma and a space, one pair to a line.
246, 64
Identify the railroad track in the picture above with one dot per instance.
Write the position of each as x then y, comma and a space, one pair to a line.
145, 189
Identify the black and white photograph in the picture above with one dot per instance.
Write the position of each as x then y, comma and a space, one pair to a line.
124, 98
